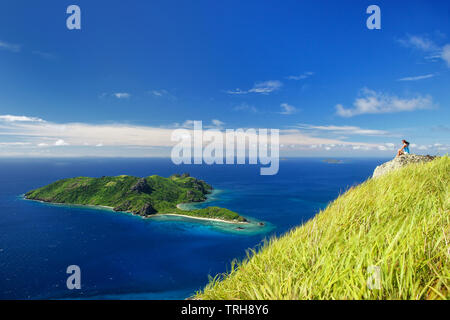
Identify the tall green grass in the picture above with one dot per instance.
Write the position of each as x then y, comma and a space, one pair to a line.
398, 223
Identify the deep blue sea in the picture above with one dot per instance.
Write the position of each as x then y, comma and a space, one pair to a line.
126, 257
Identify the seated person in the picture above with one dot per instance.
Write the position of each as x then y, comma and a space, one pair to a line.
404, 149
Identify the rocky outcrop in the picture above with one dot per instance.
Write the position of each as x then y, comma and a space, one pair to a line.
399, 162
124, 206
141, 186
147, 210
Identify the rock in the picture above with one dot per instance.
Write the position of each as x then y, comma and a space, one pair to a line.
141, 186
123, 206
399, 162
190, 195
147, 210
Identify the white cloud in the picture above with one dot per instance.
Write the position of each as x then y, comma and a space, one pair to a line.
287, 109
7, 144
61, 142
427, 76
159, 93
296, 137
301, 76
218, 123
46, 138
419, 42
189, 124
11, 118
185, 124
41, 138
9, 46
236, 91
246, 107
121, 95
373, 102
433, 57
120, 135
427, 45
352, 130
445, 54
264, 87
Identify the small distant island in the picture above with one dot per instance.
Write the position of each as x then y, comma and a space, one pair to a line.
332, 161
145, 197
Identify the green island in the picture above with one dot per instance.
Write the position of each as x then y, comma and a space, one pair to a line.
388, 238
145, 197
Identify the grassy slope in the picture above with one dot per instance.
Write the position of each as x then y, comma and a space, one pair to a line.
399, 222
163, 194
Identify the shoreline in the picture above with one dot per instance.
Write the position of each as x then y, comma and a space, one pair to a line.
199, 218
93, 206
137, 215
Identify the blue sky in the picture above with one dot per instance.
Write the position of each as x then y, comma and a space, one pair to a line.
137, 70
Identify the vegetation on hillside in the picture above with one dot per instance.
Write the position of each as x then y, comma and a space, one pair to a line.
388, 238
142, 196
